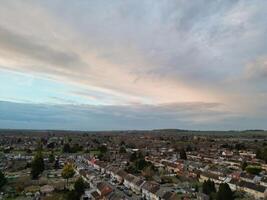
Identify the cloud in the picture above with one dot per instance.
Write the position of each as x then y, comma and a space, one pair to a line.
47, 116
143, 53
29, 48
256, 70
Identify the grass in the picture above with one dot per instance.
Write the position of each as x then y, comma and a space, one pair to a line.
95, 152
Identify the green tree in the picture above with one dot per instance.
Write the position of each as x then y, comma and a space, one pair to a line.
149, 172
122, 150
225, 192
196, 188
68, 172
133, 157
37, 165
244, 165
183, 154
141, 164
262, 154
79, 186
51, 157
66, 148
189, 148
103, 149
57, 165
208, 187
3, 180
39, 146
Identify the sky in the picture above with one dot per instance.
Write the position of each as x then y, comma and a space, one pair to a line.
132, 64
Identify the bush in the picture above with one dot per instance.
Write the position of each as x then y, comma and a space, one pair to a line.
253, 169
2, 179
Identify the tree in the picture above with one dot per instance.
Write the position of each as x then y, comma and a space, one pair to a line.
103, 153
39, 147
262, 154
51, 157
57, 165
37, 165
66, 148
225, 193
68, 172
189, 148
141, 164
76, 148
244, 165
103, 149
122, 150
133, 157
2, 179
51, 145
149, 172
240, 146
79, 186
183, 155
208, 187
196, 188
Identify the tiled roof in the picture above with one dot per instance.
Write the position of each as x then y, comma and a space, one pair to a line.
130, 177
210, 175
252, 186
151, 187
95, 195
170, 196
104, 188
122, 173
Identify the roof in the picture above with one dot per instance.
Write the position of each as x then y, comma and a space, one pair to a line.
104, 188
101, 164
264, 179
122, 173
210, 175
95, 195
130, 177
138, 181
252, 186
47, 189
152, 187
247, 176
170, 196
170, 164
116, 196
113, 169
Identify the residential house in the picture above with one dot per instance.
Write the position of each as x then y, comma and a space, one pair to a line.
104, 189
204, 176
149, 190
258, 191
134, 183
